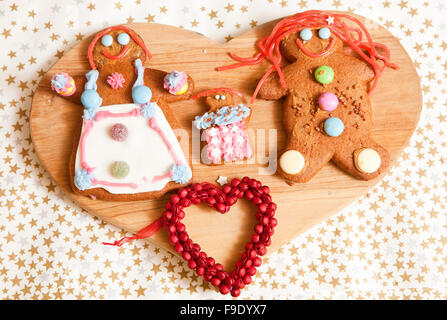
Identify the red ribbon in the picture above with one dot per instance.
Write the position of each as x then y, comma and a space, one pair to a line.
144, 233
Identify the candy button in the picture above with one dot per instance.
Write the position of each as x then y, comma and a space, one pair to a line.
328, 101
306, 34
120, 169
119, 132
333, 127
324, 33
141, 94
123, 38
106, 40
367, 160
90, 99
292, 162
324, 74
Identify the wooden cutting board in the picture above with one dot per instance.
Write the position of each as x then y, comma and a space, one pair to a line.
397, 103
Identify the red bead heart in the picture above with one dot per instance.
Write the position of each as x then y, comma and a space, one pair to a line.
222, 199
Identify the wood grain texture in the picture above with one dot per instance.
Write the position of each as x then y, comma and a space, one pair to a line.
396, 102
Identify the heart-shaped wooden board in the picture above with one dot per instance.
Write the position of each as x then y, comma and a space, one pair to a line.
396, 103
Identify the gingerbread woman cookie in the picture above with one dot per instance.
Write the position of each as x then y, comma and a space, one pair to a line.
126, 148
224, 126
326, 86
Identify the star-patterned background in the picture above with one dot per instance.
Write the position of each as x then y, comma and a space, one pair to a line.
390, 244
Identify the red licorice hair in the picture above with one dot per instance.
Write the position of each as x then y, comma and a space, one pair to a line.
207, 92
351, 35
106, 31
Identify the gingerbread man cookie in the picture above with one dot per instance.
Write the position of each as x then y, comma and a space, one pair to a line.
326, 86
126, 148
224, 126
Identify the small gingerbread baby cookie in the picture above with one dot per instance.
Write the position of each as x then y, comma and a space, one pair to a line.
224, 126
326, 84
126, 148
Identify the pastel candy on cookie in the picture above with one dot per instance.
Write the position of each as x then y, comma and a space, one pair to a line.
324, 74
328, 101
324, 33
306, 34
123, 38
292, 162
176, 82
120, 169
367, 160
63, 84
119, 132
333, 127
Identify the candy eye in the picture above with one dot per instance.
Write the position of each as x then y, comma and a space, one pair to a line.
123, 38
217, 97
324, 33
222, 97
306, 34
107, 40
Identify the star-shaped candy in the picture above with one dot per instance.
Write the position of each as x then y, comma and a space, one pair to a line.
222, 180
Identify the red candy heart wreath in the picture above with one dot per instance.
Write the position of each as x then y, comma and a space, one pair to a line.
222, 199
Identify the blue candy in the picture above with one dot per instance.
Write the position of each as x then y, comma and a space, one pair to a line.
123, 38
90, 99
324, 33
306, 34
333, 127
107, 40
141, 94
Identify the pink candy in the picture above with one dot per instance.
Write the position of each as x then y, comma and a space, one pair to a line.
119, 132
328, 101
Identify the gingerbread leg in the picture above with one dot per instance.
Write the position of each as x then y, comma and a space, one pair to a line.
362, 158
301, 164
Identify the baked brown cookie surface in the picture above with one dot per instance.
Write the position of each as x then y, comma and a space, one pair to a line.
226, 139
125, 148
325, 83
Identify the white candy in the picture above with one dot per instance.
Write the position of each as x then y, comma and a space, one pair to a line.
367, 160
292, 162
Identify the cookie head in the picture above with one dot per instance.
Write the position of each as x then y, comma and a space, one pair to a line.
309, 43
218, 98
116, 45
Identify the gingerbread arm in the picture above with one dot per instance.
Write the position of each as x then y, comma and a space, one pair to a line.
79, 83
272, 88
154, 79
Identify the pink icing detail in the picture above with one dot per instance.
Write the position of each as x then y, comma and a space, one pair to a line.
114, 184
116, 80
229, 142
179, 86
100, 115
88, 125
153, 125
165, 176
145, 179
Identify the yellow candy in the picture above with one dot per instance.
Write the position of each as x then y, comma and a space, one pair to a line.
183, 90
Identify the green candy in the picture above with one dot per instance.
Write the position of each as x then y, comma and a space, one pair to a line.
324, 74
120, 169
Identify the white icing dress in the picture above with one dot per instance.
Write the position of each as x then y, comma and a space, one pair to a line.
151, 150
